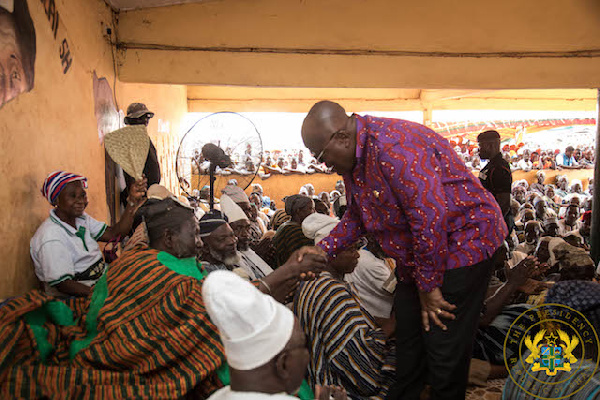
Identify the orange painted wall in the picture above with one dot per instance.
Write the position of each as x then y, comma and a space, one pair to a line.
582, 174
279, 186
54, 127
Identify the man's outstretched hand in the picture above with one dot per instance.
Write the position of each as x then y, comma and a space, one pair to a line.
313, 256
329, 392
434, 308
303, 251
304, 264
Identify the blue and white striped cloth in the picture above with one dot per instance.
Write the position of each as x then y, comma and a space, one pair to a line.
56, 181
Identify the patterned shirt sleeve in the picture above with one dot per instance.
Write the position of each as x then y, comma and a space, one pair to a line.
348, 231
413, 174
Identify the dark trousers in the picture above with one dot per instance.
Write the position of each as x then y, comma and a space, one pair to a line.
439, 358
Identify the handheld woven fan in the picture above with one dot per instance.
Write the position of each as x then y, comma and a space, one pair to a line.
129, 148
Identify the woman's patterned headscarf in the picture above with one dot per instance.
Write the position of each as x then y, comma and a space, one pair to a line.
56, 182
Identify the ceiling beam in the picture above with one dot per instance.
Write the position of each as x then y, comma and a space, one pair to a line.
175, 67
299, 106
426, 44
126, 5
219, 98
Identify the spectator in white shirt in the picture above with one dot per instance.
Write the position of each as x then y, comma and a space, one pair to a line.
570, 223
525, 164
566, 159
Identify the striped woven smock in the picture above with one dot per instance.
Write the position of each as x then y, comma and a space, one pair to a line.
346, 348
144, 333
289, 238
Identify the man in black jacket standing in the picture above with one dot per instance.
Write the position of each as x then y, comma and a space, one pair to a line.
496, 176
138, 114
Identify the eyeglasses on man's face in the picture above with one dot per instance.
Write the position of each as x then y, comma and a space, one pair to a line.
318, 158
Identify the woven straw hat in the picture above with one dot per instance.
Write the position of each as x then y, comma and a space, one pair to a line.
129, 148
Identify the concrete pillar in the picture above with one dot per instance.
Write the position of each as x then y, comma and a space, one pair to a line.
595, 239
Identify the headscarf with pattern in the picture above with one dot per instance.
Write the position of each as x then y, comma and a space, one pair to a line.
56, 181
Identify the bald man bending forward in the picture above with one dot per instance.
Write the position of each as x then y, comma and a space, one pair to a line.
407, 187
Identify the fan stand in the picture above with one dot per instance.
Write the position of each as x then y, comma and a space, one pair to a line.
212, 168
186, 179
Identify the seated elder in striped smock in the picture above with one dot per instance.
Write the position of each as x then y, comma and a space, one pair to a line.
289, 236
143, 333
346, 346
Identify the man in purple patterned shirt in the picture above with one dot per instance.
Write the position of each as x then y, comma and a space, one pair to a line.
407, 187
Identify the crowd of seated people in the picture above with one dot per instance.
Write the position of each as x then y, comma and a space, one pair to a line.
360, 354
148, 297
299, 161
521, 157
547, 252
546, 256
264, 165
138, 326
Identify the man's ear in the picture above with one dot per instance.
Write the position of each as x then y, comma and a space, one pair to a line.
345, 138
281, 367
168, 238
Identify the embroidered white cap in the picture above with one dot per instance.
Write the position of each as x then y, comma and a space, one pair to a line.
254, 328
231, 210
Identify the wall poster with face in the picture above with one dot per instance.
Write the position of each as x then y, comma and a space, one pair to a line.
107, 116
108, 120
17, 50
